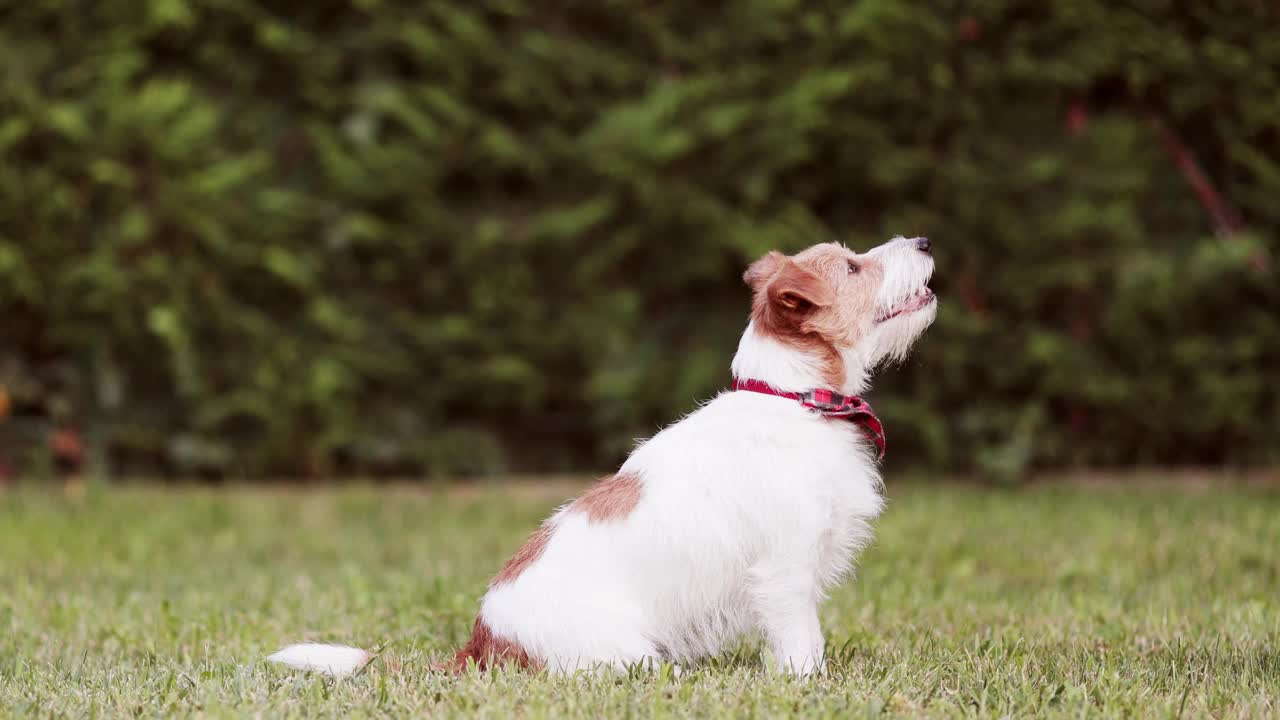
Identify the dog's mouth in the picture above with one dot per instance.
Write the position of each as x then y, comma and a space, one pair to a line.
918, 300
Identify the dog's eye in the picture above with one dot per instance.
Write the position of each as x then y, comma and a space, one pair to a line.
853, 268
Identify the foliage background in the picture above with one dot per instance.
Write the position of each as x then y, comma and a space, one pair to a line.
450, 238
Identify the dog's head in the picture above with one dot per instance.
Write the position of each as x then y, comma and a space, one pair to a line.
854, 310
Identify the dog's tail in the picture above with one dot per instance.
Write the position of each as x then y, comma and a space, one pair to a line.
335, 660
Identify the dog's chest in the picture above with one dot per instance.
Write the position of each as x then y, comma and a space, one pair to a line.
841, 494
845, 533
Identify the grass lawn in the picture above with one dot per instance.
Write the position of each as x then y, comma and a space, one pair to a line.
1047, 601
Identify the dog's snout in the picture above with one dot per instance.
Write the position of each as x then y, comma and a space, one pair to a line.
923, 245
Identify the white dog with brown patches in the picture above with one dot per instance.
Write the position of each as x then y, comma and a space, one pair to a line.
737, 518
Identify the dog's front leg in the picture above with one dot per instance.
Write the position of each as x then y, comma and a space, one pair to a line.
785, 599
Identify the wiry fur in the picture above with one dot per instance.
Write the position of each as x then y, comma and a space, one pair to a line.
741, 516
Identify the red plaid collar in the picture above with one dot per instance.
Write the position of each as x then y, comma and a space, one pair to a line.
828, 404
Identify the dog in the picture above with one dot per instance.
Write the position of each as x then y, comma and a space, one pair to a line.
737, 518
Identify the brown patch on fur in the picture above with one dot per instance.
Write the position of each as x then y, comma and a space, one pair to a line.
610, 498
489, 651
813, 303
525, 556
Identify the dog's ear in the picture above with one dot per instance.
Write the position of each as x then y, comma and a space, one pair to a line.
763, 270
795, 290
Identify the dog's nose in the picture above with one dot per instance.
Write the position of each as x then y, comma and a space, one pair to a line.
922, 244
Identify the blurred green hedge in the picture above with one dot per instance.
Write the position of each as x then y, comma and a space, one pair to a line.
389, 237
